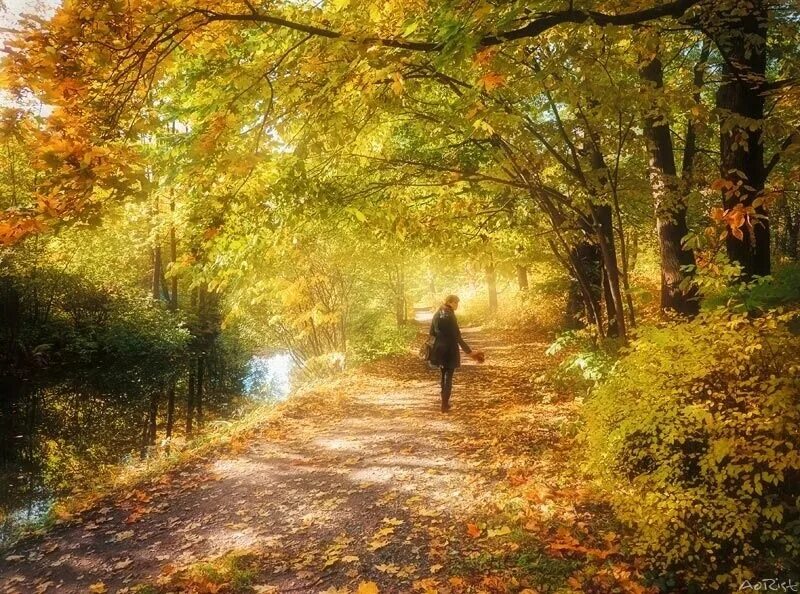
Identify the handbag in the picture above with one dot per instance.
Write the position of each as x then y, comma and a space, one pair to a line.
426, 350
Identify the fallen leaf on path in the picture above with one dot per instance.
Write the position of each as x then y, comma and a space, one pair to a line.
123, 564
376, 544
367, 588
473, 530
98, 588
120, 536
389, 568
499, 532
349, 559
436, 568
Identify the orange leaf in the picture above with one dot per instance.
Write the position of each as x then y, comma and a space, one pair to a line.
491, 81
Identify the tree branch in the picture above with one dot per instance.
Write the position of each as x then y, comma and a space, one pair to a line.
540, 24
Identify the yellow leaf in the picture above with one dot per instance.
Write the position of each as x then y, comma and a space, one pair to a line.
499, 532
367, 588
98, 588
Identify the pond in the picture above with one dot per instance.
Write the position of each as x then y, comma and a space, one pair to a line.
60, 433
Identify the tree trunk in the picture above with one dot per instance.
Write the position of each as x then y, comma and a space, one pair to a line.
156, 288
190, 389
170, 408
601, 216
740, 32
491, 286
792, 235
522, 277
201, 368
585, 288
678, 292
149, 432
173, 256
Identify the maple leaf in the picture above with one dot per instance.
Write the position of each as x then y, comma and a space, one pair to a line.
377, 543
491, 81
473, 530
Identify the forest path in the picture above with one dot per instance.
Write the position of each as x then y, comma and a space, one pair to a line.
363, 480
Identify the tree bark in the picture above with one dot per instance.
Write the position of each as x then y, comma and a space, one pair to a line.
678, 292
190, 389
170, 408
173, 257
201, 368
740, 32
601, 218
157, 273
585, 288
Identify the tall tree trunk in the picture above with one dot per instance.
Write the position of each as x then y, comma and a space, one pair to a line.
190, 390
601, 223
170, 408
740, 32
173, 257
149, 431
585, 287
601, 218
678, 293
792, 234
491, 286
201, 368
157, 273
522, 277
151, 438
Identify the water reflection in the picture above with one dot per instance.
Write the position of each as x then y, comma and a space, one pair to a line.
269, 376
59, 434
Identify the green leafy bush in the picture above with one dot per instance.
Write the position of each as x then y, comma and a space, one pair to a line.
694, 436
583, 360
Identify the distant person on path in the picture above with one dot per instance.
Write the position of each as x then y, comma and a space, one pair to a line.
445, 351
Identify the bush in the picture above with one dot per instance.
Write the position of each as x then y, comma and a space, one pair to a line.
694, 435
377, 335
584, 361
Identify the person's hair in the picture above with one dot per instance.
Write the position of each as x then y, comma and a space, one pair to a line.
451, 299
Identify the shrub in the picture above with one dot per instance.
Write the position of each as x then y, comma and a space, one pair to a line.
694, 435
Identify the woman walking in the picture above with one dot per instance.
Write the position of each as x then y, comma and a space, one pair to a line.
445, 350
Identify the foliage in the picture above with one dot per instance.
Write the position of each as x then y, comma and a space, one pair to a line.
65, 319
693, 438
583, 361
377, 335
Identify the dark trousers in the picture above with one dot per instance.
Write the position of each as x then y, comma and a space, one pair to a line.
447, 385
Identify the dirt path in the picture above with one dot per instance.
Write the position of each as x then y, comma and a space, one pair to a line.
367, 482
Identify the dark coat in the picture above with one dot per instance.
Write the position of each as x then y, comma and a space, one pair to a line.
447, 338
